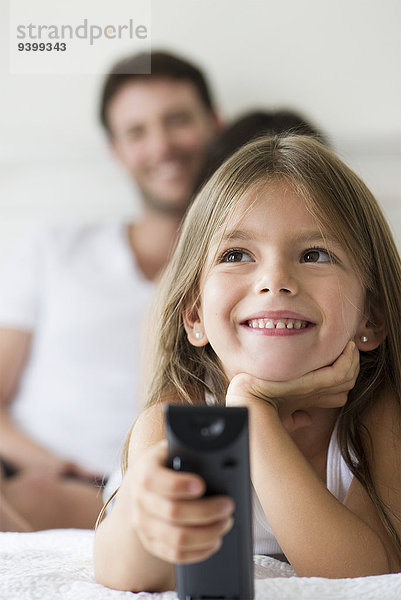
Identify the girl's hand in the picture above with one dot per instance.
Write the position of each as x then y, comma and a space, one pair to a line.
327, 387
171, 518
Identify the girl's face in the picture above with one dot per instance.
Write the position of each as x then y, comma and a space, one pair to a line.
279, 300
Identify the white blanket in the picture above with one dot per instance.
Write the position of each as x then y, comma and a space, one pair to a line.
57, 564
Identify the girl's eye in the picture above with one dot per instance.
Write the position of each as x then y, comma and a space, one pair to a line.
231, 256
316, 255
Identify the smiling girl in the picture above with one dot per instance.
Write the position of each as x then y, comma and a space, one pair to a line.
284, 295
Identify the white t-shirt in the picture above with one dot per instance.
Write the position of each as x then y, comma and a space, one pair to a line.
80, 292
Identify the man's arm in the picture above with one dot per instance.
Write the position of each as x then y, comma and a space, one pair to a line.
15, 447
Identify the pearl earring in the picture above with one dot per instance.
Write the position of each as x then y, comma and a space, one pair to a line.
363, 338
198, 335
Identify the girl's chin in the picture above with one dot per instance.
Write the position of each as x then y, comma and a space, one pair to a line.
283, 372
278, 376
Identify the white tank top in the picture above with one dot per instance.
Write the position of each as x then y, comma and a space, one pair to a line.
339, 479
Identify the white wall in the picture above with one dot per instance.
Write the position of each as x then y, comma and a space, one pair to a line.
338, 62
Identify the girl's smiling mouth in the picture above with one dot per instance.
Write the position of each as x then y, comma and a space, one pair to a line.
276, 323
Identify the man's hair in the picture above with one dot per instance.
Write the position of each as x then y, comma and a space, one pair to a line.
163, 66
253, 125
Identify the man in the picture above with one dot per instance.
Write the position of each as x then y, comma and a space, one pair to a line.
74, 303
159, 128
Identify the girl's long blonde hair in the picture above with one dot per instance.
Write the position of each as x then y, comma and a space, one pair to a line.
341, 203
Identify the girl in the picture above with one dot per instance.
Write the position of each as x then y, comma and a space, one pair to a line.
285, 273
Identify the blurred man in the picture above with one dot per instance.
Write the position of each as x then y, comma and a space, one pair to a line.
159, 128
75, 299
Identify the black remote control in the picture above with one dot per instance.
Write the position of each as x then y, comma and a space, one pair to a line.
213, 442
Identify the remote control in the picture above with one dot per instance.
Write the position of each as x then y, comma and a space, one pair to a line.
213, 442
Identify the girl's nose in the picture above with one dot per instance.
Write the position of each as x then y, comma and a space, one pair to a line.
283, 289
277, 280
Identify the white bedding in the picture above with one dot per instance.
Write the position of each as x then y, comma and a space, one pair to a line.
57, 564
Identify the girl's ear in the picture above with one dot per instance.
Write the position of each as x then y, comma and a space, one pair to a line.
193, 324
371, 331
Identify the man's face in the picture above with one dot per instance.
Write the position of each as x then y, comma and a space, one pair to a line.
160, 130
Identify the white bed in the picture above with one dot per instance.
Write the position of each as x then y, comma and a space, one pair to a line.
57, 564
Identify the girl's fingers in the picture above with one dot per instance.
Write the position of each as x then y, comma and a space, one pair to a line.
171, 519
165, 552
159, 479
338, 377
153, 476
175, 496
187, 538
333, 380
183, 544
202, 512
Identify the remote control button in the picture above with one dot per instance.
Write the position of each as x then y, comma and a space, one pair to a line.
177, 463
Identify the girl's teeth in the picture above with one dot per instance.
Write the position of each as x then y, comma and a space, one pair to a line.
269, 324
